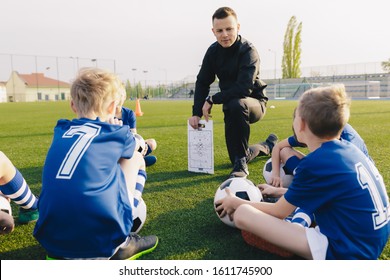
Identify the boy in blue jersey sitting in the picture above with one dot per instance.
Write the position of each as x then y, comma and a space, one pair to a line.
336, 181
13, 187
128, 117
92, 178
284, 152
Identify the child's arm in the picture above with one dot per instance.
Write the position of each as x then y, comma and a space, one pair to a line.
275, 174
271, 191
115, 121
228, 205
7, 169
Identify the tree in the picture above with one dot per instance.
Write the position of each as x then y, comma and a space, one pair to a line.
128, 89
140, 90
386, 66
292, 50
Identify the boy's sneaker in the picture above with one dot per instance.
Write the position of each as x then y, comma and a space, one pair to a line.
135, 247
264, 245
27, 215
240, 168
270, 142
150, 160
7, 224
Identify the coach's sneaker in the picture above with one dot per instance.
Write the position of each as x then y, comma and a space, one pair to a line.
135, 247
251, 153
269, 144
27, 215
150, 160
7, 224
264, 245
240, 168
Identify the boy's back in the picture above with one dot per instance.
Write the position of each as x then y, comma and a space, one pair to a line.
334, 182
84, 197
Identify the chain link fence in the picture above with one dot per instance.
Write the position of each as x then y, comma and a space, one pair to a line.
365, 80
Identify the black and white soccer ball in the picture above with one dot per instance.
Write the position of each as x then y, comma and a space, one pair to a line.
140, 144
5, 205
267, 174
6, 219
139, 216
240, 187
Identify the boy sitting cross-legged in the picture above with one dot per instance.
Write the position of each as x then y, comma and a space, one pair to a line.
92, 178
336, 182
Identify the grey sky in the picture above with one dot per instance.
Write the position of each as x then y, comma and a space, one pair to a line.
168, 38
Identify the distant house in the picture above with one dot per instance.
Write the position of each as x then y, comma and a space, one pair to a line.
3, 92
35, 87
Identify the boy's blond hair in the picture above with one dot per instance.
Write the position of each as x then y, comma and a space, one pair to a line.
94, 89
325, 110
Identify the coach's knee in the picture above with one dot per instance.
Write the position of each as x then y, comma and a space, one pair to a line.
235, 106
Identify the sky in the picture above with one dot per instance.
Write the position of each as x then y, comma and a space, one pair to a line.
165, 40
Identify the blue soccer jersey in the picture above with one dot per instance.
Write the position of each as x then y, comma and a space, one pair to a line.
129, 118
348, 134
347, 195
84, 208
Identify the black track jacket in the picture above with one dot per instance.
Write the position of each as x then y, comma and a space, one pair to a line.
237, 69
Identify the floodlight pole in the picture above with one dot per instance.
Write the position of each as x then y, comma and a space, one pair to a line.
274, 62
136, 87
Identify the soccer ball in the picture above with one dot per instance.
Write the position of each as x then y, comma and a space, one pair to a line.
267, 170
139, 216
242, 188
6, 219
5, 205
140, 144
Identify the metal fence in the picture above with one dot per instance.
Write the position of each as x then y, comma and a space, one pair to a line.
330, 70
357, 86
361, 79
61, 68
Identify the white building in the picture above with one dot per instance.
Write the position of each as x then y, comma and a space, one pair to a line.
35, 87
3, 92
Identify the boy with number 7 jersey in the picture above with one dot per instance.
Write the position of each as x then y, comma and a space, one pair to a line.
91, 177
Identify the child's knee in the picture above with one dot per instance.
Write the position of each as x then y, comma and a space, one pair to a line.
151, 143
139, 161
240, 215
3, 159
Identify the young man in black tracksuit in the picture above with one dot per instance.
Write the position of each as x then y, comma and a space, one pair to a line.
236, 63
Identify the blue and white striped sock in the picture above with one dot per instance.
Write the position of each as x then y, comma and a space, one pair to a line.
19, 192
301, 217
139, 186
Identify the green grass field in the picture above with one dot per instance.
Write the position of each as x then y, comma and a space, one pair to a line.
180, 203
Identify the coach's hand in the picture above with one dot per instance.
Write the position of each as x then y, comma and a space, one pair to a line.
206, 110
194, 122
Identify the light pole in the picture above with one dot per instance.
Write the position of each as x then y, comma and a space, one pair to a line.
166, 81
77, 60
36, 74
58, 78
136, 88
274, 62
166, 74
145, 72
95, 61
